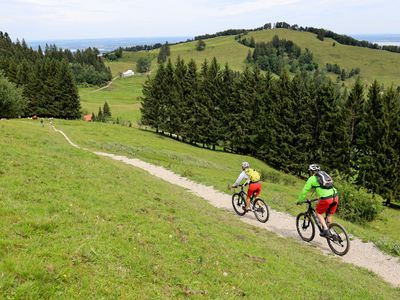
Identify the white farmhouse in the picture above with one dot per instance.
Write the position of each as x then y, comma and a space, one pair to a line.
128, 73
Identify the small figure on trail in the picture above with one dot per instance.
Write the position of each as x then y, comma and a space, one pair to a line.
328, 202
42, 122
51, 121
252, 178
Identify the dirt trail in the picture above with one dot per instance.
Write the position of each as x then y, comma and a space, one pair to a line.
365, 255
106, 86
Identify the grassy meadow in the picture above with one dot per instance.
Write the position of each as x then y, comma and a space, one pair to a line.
383, 66
78, 226
215, 168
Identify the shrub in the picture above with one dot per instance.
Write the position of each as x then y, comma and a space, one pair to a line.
271, 176
143, 64
357, 205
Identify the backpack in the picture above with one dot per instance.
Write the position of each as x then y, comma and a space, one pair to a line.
253, 175
325, 181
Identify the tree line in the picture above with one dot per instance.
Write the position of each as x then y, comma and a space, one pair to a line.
36, 83
320, 32
341, 38
278, 54
285, 122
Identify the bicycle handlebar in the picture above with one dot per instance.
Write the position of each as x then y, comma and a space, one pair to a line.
309, 201
241, 185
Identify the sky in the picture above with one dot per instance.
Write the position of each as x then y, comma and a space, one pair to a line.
80, 19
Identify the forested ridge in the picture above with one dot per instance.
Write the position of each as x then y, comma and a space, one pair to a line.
285, 122
46, 79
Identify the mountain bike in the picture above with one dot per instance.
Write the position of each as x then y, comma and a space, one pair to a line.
257, 205
338, 239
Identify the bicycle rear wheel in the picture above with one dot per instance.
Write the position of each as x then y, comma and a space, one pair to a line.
305, 227
238, 204
339, 241
261, 210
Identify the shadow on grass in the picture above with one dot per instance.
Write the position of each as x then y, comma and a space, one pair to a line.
392, 205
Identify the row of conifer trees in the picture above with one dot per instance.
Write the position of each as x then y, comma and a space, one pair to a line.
48, 78
286, 122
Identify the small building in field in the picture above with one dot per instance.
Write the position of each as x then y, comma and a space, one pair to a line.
87, 118
128, 73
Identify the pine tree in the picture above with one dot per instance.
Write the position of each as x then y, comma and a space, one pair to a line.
226, 103
106, 111
191, 109
283, 109
391, 143
152, 108
302, 128
353, 115
68, 101
212, 86
371, 162
167, 90
249, 57
100, 117
182, 89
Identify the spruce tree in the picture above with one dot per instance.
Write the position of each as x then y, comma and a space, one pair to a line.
106, 110
152, 107
353, 115
190, 109
371, 162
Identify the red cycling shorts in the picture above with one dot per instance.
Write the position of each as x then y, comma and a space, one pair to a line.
254, 188
328, 205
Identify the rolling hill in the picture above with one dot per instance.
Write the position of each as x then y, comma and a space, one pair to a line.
78, 226
374, 64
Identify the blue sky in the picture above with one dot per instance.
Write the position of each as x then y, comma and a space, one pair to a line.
63, 19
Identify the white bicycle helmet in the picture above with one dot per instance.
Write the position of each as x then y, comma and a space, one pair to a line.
245, 165
314, 168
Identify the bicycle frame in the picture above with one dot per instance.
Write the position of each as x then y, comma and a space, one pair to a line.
244, 194
311, 212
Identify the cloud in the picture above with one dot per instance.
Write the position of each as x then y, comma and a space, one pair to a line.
255, 5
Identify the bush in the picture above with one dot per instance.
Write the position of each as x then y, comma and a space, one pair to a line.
12, 102
201, 45
143, 64
357, 205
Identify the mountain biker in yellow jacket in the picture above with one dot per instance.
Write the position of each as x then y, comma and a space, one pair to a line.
252, 178
328, 198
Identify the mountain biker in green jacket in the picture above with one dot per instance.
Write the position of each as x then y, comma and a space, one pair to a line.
328, 198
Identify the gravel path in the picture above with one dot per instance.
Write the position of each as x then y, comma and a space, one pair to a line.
365, 255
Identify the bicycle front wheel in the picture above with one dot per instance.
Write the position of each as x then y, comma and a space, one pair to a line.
339, 241
238, 204
305, 227
261, 210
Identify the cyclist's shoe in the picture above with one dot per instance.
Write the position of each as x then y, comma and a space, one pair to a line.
246, 209
325, 233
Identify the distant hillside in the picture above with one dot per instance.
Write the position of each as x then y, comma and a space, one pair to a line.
374, 64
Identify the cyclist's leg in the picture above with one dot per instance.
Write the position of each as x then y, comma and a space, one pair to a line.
247, 202
332, 209
321, 209
253, 191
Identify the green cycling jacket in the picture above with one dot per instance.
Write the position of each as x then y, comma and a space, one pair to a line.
312, 183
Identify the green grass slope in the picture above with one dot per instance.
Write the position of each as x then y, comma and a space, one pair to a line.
217, 169
122, 96
77, 226
381, 65
374, 64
